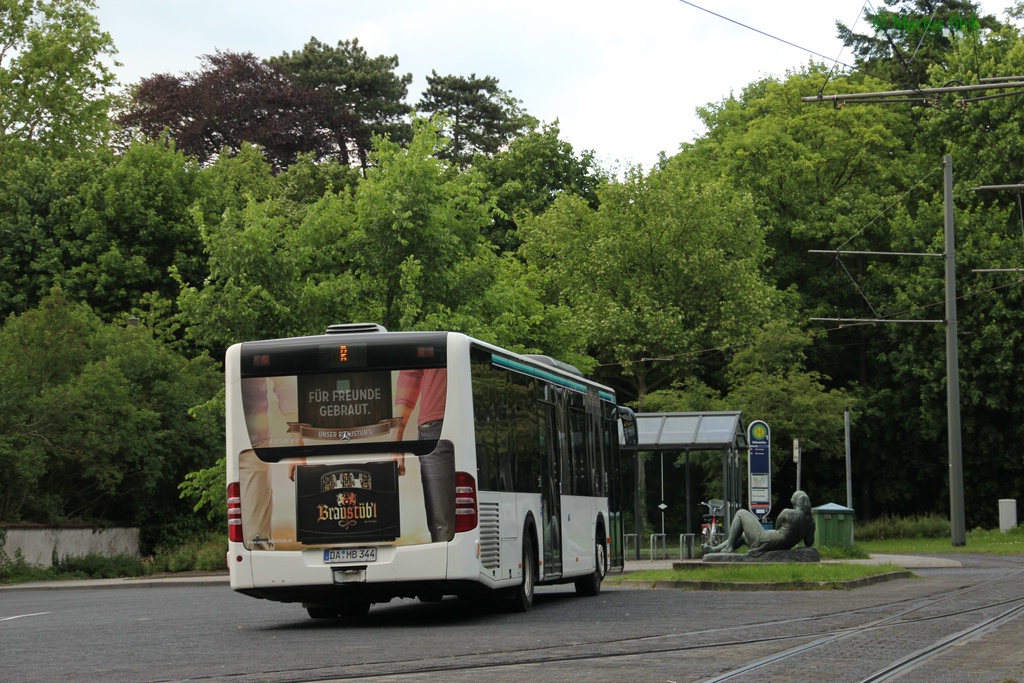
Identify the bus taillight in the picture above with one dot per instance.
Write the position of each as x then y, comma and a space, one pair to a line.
235, 512
465, 502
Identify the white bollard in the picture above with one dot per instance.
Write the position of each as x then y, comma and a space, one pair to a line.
1007, 514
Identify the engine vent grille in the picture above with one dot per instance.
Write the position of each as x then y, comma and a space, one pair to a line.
490, 538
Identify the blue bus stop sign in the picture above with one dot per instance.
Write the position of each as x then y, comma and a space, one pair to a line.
759, 468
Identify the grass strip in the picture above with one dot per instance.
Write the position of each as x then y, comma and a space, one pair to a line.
795, 576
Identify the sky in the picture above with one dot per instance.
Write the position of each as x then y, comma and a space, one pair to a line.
623, 79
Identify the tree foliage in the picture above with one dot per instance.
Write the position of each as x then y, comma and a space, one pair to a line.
669, 265
55, 90
356, 96
905, 38
106, 228
404, 244
95, 420
688, 286
324, 101
234, 99
482, 118
526, 178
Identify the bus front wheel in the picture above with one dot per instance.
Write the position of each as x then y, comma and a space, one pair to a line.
590, 585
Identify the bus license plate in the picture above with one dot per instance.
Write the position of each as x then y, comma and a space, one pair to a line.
343, 555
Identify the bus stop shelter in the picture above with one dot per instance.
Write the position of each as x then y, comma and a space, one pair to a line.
699, 431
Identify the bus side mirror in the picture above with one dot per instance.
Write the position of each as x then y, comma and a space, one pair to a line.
627, 419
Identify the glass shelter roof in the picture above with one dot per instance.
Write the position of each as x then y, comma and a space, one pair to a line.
689, 431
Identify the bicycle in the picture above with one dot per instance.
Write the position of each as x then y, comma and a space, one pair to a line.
711, 531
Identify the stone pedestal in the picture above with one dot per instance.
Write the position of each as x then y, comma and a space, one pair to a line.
794, 555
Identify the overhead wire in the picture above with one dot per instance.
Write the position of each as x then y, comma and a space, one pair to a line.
898, 201
828, 76
836, 61
923, 34
886, 209
800, 335
783, 40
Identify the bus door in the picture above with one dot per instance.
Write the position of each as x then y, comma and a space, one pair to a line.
550, 497
619, 430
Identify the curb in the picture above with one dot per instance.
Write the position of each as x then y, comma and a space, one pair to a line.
766, 585
142, 582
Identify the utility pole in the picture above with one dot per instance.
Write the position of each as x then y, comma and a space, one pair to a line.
1011, 86
957, 524
958, 532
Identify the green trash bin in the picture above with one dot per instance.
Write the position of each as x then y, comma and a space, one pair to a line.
833, 525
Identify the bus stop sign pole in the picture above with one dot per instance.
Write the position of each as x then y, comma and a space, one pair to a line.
759, 469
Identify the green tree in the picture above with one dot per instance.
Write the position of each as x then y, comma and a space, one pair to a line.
820, 178
38, 200
104, 227
904, 367
905, 38
55, 89
402, 245
96, 422
768, 379
482, 118
255, 282
868, 177
526, 178
357, 96
908, 365
234, 99
667, 268
232, 181
418, 231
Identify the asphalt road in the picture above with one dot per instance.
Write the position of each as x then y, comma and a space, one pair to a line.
195, 629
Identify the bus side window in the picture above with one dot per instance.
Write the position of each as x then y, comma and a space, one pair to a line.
579, 445
527, 435
486, 397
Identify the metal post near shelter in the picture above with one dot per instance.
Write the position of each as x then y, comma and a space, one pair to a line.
636, 501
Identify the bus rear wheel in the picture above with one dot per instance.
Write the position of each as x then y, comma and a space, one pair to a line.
353, 609
590, 585
522, 599
321, 611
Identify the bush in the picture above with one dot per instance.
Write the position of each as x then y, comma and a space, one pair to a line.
204, 553
17, 570
212, 556
918, 526
93, 566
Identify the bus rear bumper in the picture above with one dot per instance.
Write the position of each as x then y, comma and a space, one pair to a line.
303, 576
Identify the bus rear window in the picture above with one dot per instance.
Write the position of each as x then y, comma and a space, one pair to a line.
341, 408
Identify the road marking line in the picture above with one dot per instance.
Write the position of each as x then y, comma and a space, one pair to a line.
34, 614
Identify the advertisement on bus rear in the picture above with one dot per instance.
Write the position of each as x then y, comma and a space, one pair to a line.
343, 495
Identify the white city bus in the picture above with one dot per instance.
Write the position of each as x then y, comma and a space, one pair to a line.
364, 465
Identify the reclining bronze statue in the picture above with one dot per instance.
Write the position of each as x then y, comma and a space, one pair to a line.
793, 525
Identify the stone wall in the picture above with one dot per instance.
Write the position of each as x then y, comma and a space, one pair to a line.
39, 545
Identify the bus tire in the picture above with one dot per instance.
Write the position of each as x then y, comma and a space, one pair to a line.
590, 585
431, 596
522, 598
352, 609
321, 611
